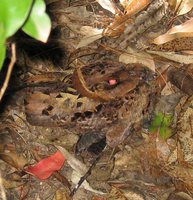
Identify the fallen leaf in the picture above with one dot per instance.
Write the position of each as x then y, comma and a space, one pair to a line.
115, 193
187, 52
46, 167
75, 178
132, 7
116, 28
90, 31
182, 79
79, 170
122, 21
62, 194
108, 5
184, 6
10, 184
77, 12
73, 162
183, 30
91, 35
99, 198
162, 149
185, 59
141, 58
14, 159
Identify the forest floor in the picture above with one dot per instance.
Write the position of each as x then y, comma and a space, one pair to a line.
42, 159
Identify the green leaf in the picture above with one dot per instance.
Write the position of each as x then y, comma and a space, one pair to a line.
13, 14
38, 24
2, 55
162, 124
2, 44
165, 132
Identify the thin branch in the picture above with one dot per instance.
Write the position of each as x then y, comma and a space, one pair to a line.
9, 71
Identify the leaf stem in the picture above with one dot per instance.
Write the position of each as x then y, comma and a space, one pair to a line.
9, 71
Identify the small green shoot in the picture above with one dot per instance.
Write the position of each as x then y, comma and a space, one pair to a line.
161, 124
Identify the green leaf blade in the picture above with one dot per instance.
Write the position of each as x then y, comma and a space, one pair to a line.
38, 24
2, 44
13, 14
2, 55
162, 124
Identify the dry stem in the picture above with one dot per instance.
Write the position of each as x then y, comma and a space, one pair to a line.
9, 71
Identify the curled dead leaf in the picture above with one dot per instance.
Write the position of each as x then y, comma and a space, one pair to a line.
80, 85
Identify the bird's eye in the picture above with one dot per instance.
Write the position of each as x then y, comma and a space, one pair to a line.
112, 82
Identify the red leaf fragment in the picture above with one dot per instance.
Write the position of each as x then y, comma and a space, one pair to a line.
46, 167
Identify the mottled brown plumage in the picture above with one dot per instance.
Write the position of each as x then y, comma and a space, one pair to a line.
94, 104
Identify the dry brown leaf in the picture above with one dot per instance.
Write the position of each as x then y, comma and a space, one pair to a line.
99, 198
69, 23
108, 5
14, 159
91, 35
172, 4
48, 77
118, 26
183, 30
181, 79
62, 194
77, 12
188, 52
73, 162
134, 6
75, 178
124, 3
122, 21
163, 150
90, 31
10, 184
79, 170
184, 6
132, 194
141, 58
184, 59
116, 194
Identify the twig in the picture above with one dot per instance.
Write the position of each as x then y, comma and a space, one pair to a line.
9, 71
83, 178
88, 173
3, 195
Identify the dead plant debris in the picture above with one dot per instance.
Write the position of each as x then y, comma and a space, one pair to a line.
86, 115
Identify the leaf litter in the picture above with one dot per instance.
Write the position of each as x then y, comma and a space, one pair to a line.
145, 166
